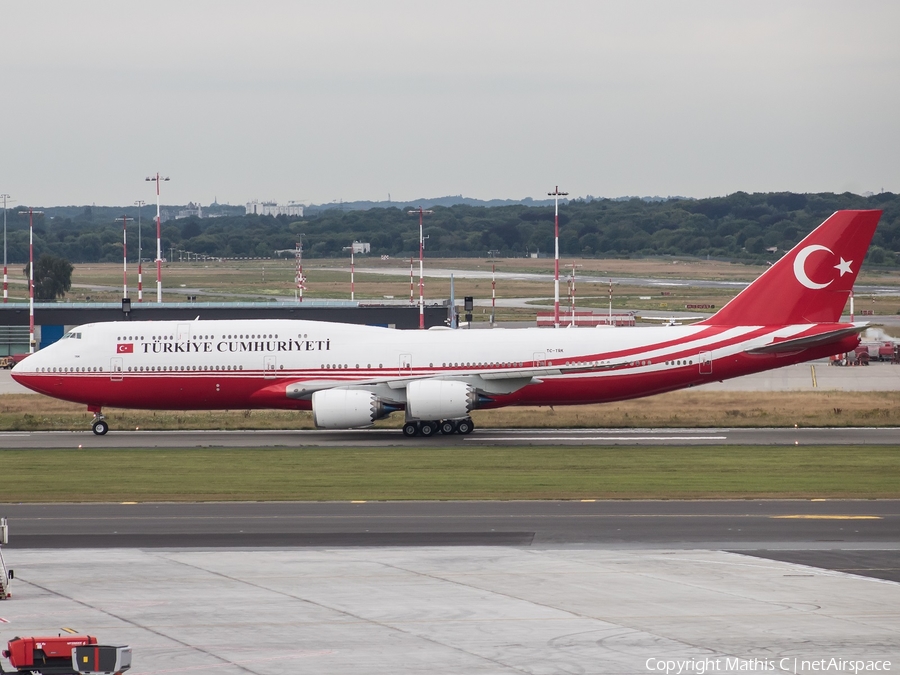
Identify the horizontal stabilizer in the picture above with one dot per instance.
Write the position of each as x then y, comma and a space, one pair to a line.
799, 344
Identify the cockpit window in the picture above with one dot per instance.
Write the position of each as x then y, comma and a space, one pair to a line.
71, 335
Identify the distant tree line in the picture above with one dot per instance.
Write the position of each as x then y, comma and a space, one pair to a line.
740, 226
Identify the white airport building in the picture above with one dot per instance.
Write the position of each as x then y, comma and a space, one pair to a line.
259, 208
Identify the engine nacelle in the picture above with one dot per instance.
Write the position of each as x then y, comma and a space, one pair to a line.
346, 408
439, 399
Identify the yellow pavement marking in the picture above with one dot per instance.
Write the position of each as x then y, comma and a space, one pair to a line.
814, 517
358, 501
70, 630
588, 500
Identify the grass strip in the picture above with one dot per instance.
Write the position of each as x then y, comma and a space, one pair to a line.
342, 474
685, 408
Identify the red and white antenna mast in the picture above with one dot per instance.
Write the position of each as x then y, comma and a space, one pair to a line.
125, 220
5, 276
610, 302
572, 290
421, 212
412, 284
300, 279
158, 178
352, 250
30, 213
140, 204
493, 291
493, 286
556, 194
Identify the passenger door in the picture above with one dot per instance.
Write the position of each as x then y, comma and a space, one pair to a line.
269, 367
405, 364
705, 363
115, 369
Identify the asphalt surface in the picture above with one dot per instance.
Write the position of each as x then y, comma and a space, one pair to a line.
668, 523
384, 438
857, 536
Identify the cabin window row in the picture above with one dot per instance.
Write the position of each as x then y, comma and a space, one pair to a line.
680, 362
170, 369
482, 364
80, 369
196, 337
339, 366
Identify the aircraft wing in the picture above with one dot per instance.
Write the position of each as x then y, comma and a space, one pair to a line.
487, 381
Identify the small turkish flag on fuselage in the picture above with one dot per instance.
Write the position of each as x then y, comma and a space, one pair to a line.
125, 348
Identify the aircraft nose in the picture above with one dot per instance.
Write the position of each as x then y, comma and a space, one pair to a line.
24, 366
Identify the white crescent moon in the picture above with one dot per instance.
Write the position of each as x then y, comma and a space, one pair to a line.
800, 266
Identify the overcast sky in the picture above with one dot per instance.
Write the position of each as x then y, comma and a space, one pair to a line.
322, 101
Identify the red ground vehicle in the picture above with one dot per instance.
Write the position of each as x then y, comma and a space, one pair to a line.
45, 655
65, 655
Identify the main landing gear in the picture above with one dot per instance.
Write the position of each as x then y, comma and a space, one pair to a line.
429, 428
99, 425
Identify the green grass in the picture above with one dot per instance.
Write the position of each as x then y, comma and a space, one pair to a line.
685, 408
433, 472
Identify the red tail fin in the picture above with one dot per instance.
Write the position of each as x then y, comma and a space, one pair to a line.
812, 282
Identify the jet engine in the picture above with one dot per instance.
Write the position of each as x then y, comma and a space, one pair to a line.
439, 399
347, 408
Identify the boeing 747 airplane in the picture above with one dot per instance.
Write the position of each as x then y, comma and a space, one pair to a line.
350, 376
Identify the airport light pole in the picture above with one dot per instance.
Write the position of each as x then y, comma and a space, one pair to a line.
158, 178
556, 194
352, 251
572, 290
5, 276
125, 220
421, 212
140, 204
301, 280
493, 285
30, 213
610, 303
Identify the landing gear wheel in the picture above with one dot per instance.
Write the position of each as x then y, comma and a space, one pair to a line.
410, 429
448, 427
100, 427
465, 426
428, 428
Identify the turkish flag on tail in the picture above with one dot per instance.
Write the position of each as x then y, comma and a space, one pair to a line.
125, 348
812, 282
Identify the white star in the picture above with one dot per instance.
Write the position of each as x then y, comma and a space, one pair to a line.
844, 267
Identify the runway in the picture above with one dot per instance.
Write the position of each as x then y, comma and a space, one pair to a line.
386, 438
720, 524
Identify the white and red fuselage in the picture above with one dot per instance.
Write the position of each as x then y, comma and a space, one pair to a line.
355, 374
249, 364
